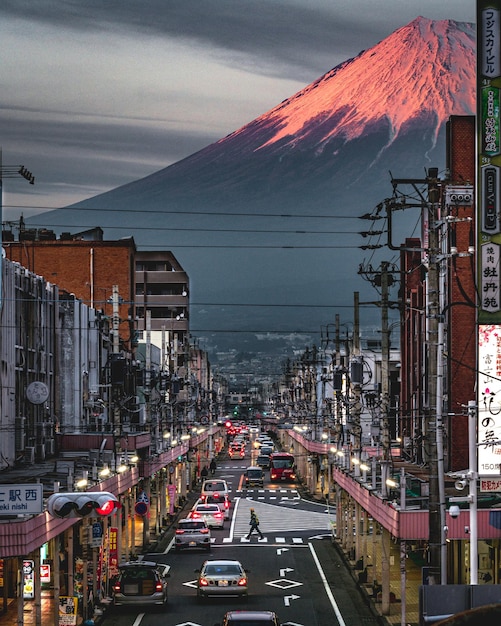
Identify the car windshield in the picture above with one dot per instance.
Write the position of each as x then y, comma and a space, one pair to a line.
141, 574
192, 525
217, 486
282, 464
215, 570
211, 508
254, 473
250, 622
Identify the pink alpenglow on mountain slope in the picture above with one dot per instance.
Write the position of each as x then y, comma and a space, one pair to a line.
392, 81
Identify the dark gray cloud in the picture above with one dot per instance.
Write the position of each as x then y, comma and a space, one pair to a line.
82, 136
85, 158
292, 37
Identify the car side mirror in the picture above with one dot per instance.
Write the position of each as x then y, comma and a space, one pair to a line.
197, 571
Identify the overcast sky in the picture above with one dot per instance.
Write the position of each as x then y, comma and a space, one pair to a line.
97, 93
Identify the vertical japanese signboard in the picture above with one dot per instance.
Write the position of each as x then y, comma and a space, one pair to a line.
28, 579
489, 232
68, 610
489, 158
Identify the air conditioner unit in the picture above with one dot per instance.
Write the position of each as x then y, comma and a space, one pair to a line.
30, 454
20, 435
108, 456
40, 451
459, 196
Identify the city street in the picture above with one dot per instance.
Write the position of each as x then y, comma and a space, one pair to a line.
295, 570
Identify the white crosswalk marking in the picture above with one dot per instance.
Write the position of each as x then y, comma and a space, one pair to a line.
274, 520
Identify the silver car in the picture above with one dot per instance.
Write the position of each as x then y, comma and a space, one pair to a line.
192, 533
222, 578
211, 513
141, 583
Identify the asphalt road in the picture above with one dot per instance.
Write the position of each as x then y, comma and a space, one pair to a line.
295, 571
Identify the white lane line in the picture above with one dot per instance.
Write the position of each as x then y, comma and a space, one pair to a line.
333, 602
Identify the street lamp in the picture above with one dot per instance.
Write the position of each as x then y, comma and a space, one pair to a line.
10, 171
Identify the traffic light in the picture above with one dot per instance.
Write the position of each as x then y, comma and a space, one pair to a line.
81, 504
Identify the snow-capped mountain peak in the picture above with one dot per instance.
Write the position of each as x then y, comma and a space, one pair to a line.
422, 69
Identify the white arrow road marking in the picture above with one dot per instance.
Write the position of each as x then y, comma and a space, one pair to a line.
282, 550
191, 583
191, 624
283, 572
287, 599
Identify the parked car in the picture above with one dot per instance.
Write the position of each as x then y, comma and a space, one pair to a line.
141, 583
263, 460
211, 513
222, 578
192, 533
254, 476
248, 618
223, 503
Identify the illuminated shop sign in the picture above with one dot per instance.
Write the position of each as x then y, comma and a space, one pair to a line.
489, 401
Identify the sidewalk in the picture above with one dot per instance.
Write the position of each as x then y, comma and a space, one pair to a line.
29, 615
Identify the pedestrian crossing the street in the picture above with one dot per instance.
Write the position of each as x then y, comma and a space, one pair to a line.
278, 524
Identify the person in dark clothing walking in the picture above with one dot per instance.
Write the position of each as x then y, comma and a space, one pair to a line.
204, 473
254, 525
213, 466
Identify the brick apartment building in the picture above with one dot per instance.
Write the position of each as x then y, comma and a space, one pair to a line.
82, 264
86, 265
459, 313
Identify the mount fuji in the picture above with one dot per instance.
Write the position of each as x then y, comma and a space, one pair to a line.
266, 220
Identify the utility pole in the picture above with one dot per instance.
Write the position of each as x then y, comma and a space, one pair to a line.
356, 382
385, 379
432, 319
117, 426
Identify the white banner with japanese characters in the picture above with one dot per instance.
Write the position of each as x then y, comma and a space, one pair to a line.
489, 400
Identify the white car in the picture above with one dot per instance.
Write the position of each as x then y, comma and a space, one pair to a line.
211, 513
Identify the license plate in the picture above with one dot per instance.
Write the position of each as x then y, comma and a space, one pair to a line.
223, 583
193, 543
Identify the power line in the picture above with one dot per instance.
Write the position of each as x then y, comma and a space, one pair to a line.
176, 212
217, 230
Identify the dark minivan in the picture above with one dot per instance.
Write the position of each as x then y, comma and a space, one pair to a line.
254, 476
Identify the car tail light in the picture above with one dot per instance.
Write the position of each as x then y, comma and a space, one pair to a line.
216, 495
242, 582
226, 504
116, 588
218, 515
204, 582
195, 515
158, 587
179, 531
204, 531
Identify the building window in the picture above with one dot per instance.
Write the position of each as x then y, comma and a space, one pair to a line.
154, 266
